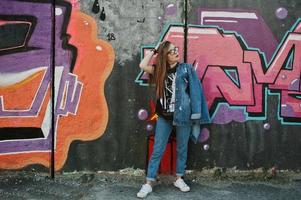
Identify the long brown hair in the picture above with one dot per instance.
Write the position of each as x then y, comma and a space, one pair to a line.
161, 68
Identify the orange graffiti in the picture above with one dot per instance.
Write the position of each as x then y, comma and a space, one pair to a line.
94, 63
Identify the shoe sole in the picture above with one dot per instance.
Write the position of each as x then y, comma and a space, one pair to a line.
143, 196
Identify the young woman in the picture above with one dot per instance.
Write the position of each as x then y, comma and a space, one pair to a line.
180, 103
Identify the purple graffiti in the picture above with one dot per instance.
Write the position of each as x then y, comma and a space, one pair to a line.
37, 54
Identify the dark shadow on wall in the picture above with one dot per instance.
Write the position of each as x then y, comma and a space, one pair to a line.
124, 142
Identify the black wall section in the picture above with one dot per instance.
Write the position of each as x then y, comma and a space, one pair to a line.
124, 142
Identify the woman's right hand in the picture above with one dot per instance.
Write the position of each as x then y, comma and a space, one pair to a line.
144, 64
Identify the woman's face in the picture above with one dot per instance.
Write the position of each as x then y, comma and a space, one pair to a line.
173, 54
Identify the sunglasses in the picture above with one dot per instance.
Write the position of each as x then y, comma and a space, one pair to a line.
173, 51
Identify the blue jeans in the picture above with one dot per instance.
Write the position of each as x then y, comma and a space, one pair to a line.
162, 133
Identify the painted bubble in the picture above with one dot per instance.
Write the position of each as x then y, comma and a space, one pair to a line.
283, 76
102, 16
294, 85
287, 110
161, 19
75, 4
149, 127
95, 8
205, 134
206, 147
142, 114
281, 13
267, 126
98, 48
58, 11
170, 9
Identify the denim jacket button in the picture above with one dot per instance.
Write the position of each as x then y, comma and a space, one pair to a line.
180, 108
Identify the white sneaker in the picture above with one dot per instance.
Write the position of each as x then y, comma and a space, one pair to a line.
144, 191
181, 185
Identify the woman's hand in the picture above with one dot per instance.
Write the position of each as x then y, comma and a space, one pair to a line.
144, 64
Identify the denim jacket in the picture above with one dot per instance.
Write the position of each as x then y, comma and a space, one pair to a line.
190, 105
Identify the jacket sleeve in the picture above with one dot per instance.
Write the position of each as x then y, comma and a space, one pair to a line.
195, 90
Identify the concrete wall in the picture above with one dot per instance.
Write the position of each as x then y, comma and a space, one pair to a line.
246, 53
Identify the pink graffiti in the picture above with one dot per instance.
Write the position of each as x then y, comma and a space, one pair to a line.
213, 52
286, 81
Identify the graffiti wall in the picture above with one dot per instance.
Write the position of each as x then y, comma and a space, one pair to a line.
82, 64
252, 57
70, 71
